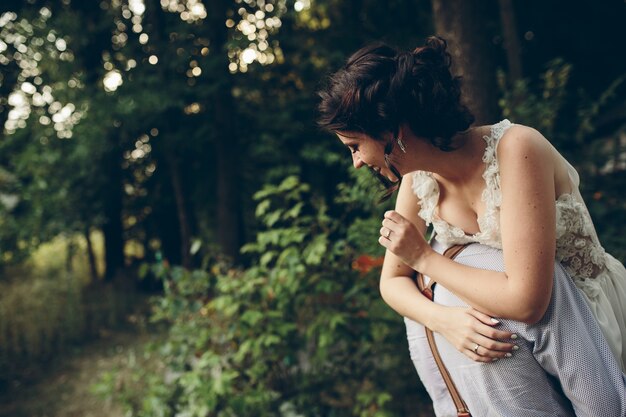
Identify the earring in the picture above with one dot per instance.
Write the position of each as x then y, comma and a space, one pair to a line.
401, 144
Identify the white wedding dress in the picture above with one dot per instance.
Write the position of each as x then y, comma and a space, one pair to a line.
600, 276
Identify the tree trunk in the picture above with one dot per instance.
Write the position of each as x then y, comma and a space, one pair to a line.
8, 80
462, 24
69, 258
93, 268
226, 137
97, 41
181, 210
112, 227
511, 40
228, 227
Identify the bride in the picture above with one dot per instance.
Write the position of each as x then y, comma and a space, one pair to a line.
503, 186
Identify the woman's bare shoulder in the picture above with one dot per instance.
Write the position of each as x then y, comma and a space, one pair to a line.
407, 202
524, 141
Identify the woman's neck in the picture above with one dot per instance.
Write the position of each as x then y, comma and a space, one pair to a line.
457, 166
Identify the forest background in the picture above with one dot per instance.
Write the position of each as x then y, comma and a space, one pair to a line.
169, 147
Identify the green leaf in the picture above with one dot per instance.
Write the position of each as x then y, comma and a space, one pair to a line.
315, 251
262, 207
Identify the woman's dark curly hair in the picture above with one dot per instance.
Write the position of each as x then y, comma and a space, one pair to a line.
381, 88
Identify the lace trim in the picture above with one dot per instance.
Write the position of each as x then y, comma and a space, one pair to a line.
592, 287
426, 189
577, 247
492, 197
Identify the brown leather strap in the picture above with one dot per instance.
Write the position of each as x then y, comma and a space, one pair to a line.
428, 291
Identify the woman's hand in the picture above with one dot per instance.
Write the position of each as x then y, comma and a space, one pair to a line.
471, 333
468, 330
402, 238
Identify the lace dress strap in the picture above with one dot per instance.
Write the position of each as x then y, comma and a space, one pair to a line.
489, 222
426, 189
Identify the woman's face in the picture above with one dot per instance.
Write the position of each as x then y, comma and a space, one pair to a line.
366, 151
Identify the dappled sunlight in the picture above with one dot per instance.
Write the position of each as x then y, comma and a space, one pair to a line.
258, 20
27, 43
112, 80
68, 253
189, 10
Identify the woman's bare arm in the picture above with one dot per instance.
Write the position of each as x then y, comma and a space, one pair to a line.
527, 221
463, 327
396, 286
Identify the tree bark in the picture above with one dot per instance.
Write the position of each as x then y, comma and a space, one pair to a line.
8, 81
112, 227
93, 268
98, 39
69, 257
462, 24
511, 40
226, 137
181, 210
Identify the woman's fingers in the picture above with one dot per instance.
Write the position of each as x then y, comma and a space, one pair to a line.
485, 348
484, 343
485, 356
491, 348
497, 334
463, 327
490, 321
389, 224
394, 216
475, 357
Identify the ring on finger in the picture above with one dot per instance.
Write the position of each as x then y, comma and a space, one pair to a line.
476, 346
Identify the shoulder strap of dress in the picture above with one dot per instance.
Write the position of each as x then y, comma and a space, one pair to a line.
426, 189
491, 194
492, 140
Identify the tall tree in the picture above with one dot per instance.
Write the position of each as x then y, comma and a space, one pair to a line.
463, 24
512, 46
225, 134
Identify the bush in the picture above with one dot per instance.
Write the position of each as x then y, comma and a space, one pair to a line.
302, 332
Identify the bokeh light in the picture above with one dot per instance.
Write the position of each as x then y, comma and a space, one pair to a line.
112, 80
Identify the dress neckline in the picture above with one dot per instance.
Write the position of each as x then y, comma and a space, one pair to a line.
490, 195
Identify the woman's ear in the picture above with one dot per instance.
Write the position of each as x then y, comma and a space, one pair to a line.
389, 136
404, 132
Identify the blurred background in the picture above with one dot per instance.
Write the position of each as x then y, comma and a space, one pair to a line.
177, 238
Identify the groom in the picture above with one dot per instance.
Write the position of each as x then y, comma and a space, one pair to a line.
563, 367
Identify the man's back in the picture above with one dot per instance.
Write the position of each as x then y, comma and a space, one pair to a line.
563, 367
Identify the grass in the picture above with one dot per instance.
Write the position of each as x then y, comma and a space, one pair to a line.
66, 387
56, 340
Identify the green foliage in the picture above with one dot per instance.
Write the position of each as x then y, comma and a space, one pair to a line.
143, 375
537, 109
302, 332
